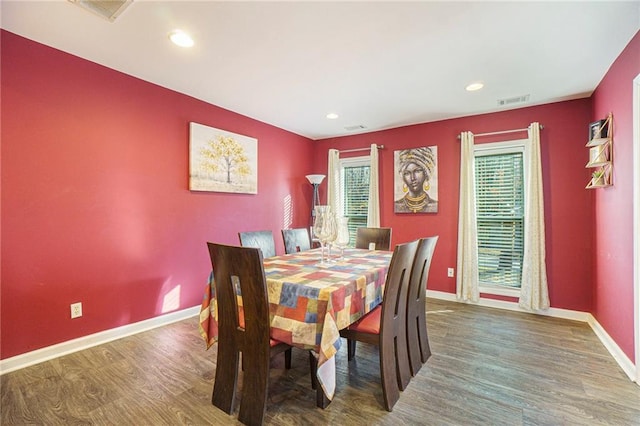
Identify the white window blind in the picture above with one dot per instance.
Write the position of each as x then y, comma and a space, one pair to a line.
500, 216
354, 192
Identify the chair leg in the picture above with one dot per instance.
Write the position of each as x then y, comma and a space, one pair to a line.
351, 349
313, 369
287, 359
254, 387
224, 387
425, 349
403, 369
388, 373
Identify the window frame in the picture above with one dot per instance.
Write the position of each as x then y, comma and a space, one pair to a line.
359, 161
498, 148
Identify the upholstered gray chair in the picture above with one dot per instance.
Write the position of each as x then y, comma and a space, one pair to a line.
296, 240
259, 239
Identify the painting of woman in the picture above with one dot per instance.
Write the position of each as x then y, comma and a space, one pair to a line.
416, 180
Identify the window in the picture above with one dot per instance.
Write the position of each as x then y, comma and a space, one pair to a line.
354, 192
499, 176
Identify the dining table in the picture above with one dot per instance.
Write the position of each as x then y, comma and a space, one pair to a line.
311, 301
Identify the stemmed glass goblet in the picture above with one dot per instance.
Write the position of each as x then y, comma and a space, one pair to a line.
321, 227
332, 233
343, 237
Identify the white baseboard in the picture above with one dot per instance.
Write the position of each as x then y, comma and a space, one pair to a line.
621, 358
40, 355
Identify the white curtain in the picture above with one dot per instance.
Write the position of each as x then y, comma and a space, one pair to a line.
467, 265
333, 181
373, 216
534, 294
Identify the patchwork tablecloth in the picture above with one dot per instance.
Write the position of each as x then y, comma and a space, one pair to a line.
310, 303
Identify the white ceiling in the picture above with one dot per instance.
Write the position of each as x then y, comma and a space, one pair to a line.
376, 64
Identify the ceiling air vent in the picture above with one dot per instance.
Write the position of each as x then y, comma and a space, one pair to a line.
108, 9
356, 127
512, 101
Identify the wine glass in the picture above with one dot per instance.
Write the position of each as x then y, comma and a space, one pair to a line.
321, 228
343, 237
332, 233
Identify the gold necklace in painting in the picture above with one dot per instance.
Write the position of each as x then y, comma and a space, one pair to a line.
415, 204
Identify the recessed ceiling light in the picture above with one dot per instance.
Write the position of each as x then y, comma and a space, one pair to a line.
181, 38
474, 86
332, 116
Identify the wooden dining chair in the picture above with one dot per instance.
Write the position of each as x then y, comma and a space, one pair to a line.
296, 240
385, 326
259, 239
243, 330
417, 337
379, 237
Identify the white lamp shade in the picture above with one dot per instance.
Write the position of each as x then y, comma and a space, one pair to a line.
315, 179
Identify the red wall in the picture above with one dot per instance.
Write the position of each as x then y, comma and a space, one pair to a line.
568, 206
95, 199
96, 207
613, 220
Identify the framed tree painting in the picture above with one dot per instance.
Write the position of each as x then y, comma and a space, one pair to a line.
416, 180
222, 161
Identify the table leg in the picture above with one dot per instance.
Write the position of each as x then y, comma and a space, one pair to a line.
321, 399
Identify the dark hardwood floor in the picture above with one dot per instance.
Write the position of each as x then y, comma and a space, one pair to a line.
489, 367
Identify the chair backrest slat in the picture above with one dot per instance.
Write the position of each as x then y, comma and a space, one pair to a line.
393, 323
421, 266
296, 240
243, 267
259, 239
397, 285
379, 237
417, 336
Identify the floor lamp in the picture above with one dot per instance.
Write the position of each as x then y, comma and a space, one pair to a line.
314, 180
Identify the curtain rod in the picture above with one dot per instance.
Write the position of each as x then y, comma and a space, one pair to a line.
503, 132
361, 149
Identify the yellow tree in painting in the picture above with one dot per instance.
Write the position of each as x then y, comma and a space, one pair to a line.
224, 154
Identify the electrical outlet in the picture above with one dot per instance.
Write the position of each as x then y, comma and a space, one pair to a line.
450, 272
76, 310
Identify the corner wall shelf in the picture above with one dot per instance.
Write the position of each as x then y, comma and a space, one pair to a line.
601, 153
